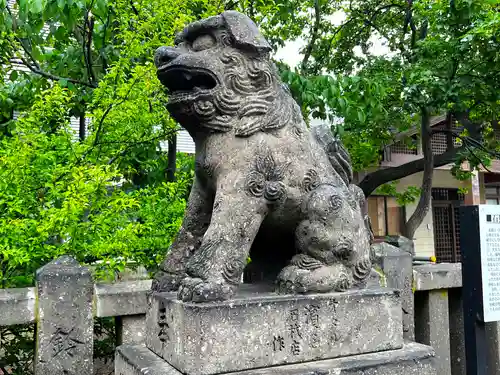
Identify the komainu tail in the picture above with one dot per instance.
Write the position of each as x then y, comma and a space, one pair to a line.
341, 162
338, 155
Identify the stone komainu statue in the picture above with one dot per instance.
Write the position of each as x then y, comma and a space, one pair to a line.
265, 185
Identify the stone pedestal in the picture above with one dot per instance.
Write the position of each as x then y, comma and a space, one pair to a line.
341, 332
265, 329
412, 359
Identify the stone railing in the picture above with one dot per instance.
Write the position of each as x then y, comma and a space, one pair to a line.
439, 318
63, 304
66, 299
439, 314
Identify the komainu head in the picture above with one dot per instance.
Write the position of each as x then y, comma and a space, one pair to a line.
220, 78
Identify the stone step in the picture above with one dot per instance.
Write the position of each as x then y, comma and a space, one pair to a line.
412, 359
256, 330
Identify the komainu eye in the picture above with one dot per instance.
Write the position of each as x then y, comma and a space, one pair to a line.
203, 42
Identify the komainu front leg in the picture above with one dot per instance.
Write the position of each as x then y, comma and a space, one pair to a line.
196, 220
334, 245
216, 268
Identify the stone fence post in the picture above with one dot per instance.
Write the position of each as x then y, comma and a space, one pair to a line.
396, 266
64, 337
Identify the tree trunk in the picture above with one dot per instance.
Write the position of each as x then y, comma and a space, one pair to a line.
172, 158
425, 197
82, 129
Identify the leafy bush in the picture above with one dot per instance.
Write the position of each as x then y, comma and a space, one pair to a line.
53, 201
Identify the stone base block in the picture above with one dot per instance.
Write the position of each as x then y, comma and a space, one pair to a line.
265, 329
412, 359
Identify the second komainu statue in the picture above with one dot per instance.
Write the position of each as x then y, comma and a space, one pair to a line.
266, 186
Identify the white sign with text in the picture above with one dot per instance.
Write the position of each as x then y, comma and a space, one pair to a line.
489, 228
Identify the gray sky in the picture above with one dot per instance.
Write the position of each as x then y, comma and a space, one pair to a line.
290, 52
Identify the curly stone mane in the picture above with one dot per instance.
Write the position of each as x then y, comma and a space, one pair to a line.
251, 92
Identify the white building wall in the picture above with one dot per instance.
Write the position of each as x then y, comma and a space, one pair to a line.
424, 235
185, 142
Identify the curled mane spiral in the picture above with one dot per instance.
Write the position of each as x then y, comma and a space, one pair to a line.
251, 94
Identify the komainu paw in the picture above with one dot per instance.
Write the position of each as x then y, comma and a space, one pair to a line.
198, 290
334, 278
166, 282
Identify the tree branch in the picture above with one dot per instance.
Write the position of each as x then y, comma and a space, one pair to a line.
413, 34
53, 77
230, 5
409, 22
383, 176
99, 126
171, 159
134, 9
87, 45
34, 66
370, 23
354, 18
472, 128
339, 29
102, 53
477, 158
130, 145
251, 9
314, 35
425, 196
106, 113
468, 142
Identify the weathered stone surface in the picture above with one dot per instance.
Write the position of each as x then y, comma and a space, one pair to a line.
376, 280
413, 359
432, 319
131, 329
396, 266
17, 306
402, 243
265, 184
437, 276
493, 345
65, 325
439, 313
264, 329
124, 298
457, 337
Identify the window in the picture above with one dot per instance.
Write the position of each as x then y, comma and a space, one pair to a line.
386, 215
492, 195
401, 148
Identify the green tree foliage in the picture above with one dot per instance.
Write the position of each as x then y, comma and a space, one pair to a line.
103, 197
55, 201
441, 59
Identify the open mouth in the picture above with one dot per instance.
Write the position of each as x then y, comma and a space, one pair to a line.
183, 82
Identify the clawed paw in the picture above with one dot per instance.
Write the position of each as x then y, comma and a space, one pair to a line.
293, 279
166, 282
290, 280
198, 290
